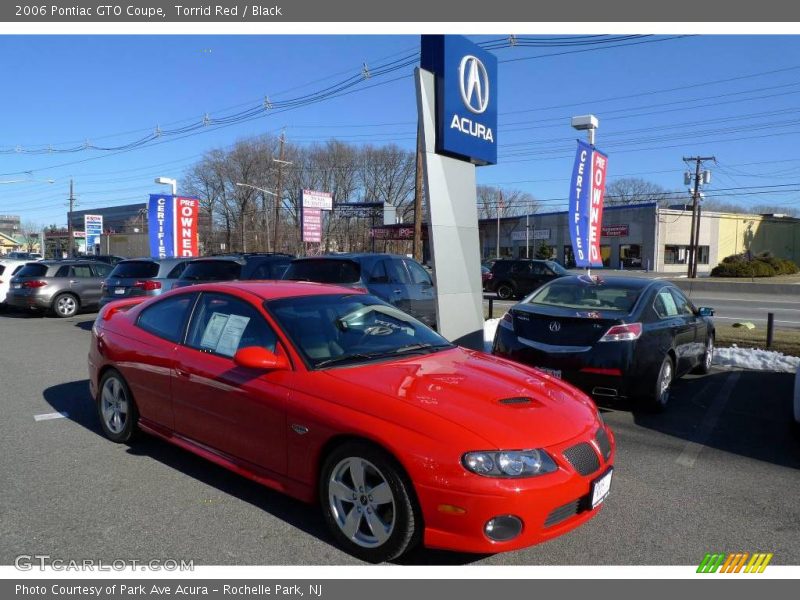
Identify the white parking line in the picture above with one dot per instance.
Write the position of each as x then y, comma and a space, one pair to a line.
692, 449
50, 416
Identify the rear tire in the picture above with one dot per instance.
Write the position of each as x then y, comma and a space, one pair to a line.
505, 291
116, 408
65, 306
368, 503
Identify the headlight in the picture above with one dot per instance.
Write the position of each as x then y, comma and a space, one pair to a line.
509, 463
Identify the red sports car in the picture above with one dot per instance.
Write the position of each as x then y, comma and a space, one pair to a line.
334, 396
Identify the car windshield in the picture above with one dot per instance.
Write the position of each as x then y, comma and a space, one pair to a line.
324, 271
212, 270
135, 269
32, 271
589, 295
345, 329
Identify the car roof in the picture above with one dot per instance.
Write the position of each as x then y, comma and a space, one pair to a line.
355, 256
274, 290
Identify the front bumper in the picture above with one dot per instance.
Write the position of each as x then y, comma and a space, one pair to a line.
548, 506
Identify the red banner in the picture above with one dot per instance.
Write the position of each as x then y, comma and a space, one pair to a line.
599, 164
186, 217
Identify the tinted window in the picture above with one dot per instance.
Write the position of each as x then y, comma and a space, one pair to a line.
665, 305
501, 267
102, 270
273, 269
557, 268
590, 296
418, 274
167, 317
521, 268
82, 271
324, 271
64, 271
379, 274
177, 270
140, 269
33, 271
540, 269
396, 272
349, 328
212, 270
223, 324
684, 306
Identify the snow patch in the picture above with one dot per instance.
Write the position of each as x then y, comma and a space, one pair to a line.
489, 329
756, 359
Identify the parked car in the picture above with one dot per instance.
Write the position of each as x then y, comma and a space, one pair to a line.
8, 268
61, 286
331, 395
486, 275
516, 278
27, 256
620, 336
396, 279
142, 277
109, 259
231, 267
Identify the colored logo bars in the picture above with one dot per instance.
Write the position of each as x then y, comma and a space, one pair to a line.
588, 185
172, 225
735, 563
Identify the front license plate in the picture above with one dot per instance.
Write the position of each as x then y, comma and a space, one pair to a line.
600, 488
552, 372
119, 291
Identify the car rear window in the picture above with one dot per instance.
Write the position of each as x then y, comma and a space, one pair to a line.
33, 271
589, 296
212, 270
324, 271
135, 269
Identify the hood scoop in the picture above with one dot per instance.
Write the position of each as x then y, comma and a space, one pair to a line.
518, 401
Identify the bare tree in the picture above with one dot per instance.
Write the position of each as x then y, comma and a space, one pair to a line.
30, 235
494, 201
633, 190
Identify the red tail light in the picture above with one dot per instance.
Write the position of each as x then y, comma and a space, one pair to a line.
507, 321
148, 285
623, 333
599, 371
36, 283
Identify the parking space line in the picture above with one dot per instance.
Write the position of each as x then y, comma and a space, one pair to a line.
50, 416
692, 449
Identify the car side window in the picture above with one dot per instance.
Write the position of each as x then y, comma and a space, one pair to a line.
540, 269
63, 271
177, 270
396, 272
379, 274
685, 307
166, 318
521, 268
102, 270
664, 305
82, 271
222, 324
418, 274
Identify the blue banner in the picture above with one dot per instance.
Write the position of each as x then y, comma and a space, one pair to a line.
587, 188
161, 225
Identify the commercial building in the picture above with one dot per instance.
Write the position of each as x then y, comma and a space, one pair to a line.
10, 224
646, 236
118, 219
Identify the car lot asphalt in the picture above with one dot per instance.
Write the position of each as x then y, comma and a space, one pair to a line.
719, 471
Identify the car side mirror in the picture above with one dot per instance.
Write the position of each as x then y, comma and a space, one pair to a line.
256, 357
705, 311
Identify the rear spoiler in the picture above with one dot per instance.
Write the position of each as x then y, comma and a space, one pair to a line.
116, 306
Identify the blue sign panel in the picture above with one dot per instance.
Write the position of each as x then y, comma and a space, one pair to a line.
466, 97
161, 225
93, 226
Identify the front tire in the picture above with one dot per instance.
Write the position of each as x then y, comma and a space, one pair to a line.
368, 503
708, 357
65, 305
116, 408
659, 397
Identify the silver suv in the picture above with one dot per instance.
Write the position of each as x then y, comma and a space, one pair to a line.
61, 286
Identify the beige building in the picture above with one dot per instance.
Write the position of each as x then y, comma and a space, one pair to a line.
645, 236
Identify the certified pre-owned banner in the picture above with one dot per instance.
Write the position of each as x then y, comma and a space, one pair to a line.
588, 185
172, 223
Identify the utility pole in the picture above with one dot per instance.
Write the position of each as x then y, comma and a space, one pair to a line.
417, 246
694, 232
279, 198
527, 233
499, 206
70, 241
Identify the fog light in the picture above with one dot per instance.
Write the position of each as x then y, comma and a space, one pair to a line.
503, 529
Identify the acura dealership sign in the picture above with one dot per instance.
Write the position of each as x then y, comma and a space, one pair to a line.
466, 97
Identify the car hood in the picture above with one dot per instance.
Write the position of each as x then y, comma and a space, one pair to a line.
483, 394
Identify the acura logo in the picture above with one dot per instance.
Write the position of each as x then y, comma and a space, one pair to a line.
474, 84
555, 326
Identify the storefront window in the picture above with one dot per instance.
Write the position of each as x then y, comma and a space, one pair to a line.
678, 255
630, 255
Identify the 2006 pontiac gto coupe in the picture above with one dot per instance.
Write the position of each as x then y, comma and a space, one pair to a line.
334, 396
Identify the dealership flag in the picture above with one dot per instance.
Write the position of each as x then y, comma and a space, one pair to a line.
172, 223
588, 185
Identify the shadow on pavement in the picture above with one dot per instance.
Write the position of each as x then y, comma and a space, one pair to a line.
753, 417
85, 325
74, 399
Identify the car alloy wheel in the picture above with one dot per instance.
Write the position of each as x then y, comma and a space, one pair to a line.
66, 305
664, 383
505, 291
368, 504
116, 408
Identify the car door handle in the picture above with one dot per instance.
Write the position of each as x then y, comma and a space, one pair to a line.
398, 291
73, 281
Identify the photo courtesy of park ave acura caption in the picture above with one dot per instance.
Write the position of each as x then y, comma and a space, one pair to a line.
334, 299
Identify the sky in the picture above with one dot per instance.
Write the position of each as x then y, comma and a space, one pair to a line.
657, 98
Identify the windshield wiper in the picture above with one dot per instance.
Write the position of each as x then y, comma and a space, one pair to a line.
348, 357
422, 346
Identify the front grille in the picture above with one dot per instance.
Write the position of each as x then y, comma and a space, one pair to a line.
603, 443
583, 458
562, 513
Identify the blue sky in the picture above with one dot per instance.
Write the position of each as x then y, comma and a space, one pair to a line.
735, 97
